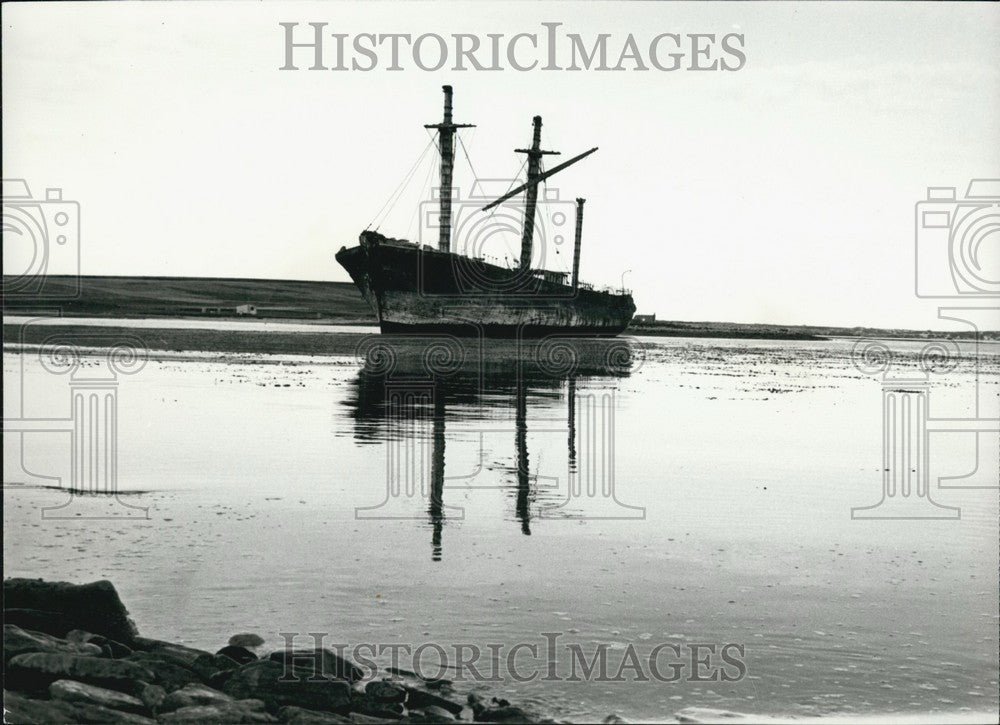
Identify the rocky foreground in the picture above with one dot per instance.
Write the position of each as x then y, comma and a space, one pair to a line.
72, 655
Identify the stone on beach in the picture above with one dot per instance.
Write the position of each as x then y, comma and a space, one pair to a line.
109, 646
21, 709
90, 677
363, 719
433, 683
433, 713
385, 691
278, 686
38, 620
240, 711
167, 671
17, 641
323, 662
710, 715
192, 695
38, 670
185, 655
420, 700
94, 607
301, 716
208, 666
246, 639
241, 655
72, 691
365, 705
503, 713
151, 695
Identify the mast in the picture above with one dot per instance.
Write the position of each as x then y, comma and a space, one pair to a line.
521, 508
576, 245
446, 133
535, 154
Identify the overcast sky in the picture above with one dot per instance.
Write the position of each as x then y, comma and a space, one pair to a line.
783, 192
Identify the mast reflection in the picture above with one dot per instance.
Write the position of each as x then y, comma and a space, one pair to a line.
473, 388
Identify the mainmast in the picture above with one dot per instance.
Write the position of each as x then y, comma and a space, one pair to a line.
531, 194
576, 244
446, 133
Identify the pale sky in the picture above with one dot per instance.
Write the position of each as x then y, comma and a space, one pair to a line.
783, 192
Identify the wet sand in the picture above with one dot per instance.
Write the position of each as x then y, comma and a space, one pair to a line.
746, 457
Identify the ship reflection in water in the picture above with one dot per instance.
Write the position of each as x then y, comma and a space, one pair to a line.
413, 392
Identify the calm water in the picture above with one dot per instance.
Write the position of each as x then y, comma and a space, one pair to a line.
668, 491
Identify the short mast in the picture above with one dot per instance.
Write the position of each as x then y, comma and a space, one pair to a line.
576, 244
535, 154
446, 132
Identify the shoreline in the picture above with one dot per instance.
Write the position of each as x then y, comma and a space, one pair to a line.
295, 338
82, 659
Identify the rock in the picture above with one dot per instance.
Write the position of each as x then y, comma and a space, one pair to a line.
21, 709
193, 695
503, 713
385, 691
301, 716
38, 670
151, 695
246, 640
117, 649
368, 719
367, 706
241, 711
420, 700
37, 620
433, 713
17, 641
178, 652
476, 703
241, 655
167, 672
207, 666
324, 662
218, 680
94, 607
709, 715
71, 691
433, 683
278, 686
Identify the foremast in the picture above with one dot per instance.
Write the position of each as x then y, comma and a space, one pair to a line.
446, 142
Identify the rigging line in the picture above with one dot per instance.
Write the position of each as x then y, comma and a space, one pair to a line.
423, 189
468, 158
402, 185
511, 186
514, 256
406, 184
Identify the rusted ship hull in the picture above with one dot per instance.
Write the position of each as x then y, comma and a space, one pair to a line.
415, 289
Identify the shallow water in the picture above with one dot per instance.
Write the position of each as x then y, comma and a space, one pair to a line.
722, 477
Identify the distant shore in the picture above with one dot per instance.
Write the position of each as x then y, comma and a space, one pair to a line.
321, 303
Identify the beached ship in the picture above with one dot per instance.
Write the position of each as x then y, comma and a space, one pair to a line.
417, 288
